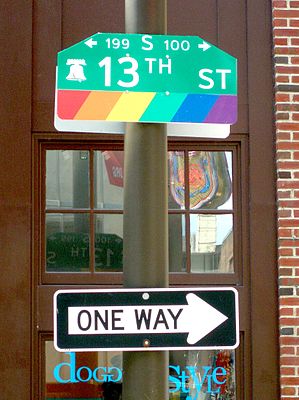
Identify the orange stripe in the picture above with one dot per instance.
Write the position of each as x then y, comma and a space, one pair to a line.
97, 105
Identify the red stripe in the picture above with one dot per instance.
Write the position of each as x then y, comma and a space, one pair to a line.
69, 102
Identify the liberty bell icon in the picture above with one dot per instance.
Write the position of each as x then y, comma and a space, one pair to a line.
76, 70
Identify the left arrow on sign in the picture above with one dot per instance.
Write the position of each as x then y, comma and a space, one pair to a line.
197, 318
90, 43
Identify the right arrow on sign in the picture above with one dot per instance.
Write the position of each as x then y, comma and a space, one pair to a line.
197, 318
200, 318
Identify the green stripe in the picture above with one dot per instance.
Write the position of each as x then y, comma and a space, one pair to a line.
163, 107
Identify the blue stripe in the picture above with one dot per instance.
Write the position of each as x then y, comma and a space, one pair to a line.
195, 108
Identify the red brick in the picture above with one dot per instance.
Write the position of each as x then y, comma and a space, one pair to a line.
287, 243
290, 301
290, 380
288, 126
289, 281
284, 213
280, 22
279, 4
286, 13
286, 194
285, 233
284, 360
285, 252
280, 42
287, 165
286, 312
288, 391
287, 145
283, 79
287, 69
282, 98
277, 32
287, 371
288, 184
286, 271
289, 321
293, 23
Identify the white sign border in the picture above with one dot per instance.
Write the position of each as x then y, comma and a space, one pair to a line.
148, 290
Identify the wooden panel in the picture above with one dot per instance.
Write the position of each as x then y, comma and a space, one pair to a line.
191, 17
264, 297
232, 24
15, 176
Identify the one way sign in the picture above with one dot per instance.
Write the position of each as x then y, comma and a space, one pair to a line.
146, 319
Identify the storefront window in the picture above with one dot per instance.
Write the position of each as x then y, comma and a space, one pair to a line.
193, 375
84, 211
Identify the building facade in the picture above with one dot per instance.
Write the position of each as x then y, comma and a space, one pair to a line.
232, 206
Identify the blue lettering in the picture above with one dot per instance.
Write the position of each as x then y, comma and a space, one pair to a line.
89, 376
174, 379
221, 373
71, 365
181, 379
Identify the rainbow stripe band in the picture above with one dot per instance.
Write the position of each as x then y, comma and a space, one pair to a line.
146, 107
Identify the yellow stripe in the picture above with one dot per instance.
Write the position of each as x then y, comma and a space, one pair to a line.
130, 106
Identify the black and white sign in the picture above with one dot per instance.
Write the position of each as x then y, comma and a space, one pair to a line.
146, 319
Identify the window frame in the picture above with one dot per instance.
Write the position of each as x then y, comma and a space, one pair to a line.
235, 144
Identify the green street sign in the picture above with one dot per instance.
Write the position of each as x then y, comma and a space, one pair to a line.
146, 78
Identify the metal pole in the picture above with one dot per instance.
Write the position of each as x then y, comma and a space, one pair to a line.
145, 217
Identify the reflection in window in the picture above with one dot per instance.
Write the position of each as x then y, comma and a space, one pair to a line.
209, 179
67, 242
108, 242
67, 179
109, 167
84, 211
193, 375
211, 243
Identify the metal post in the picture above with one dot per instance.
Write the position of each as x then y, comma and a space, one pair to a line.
145, 217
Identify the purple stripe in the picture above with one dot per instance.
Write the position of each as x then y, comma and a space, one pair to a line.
224, 111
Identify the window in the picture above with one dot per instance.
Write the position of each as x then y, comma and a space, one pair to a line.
82, 221
206, 374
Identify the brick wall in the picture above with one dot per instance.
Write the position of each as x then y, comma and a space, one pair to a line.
286, 58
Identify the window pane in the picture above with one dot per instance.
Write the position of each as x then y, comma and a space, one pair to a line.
67, 242
194, 375
176, 173
108, 242
210, 179
211, 243
67, 179
177, 243
109, 183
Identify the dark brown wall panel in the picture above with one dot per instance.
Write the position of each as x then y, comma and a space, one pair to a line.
15, 199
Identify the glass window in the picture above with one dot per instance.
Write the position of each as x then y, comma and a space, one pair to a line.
83, 220
67, 242
67, 179
200, 375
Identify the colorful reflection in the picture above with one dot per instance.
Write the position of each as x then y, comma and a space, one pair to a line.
209, 179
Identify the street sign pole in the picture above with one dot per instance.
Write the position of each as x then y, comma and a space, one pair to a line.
145, 217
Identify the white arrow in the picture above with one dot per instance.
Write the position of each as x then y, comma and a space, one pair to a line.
90, 43
197, 318
204, 46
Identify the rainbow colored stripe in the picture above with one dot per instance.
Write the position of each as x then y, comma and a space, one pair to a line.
146, 107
